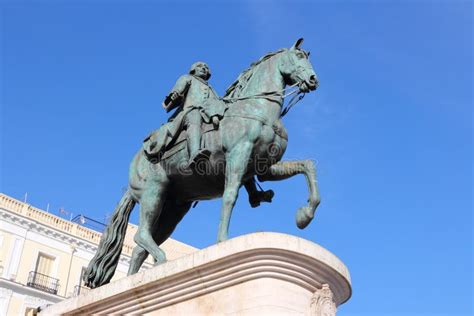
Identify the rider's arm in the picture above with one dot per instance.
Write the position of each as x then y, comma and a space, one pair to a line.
177, 94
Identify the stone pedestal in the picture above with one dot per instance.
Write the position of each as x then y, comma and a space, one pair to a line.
261, 273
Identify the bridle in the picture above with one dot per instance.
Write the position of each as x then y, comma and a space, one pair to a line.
283, 93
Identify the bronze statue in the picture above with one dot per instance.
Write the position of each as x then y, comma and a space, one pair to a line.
247, 139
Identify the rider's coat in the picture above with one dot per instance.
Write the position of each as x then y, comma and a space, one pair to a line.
194, 93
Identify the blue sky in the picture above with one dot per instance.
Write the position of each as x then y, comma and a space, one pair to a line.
390, 127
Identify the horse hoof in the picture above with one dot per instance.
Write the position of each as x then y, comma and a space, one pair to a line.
157, 263
222, 238
303, 217
161, 258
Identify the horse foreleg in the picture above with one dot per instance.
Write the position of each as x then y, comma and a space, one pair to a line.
287, 169
236, 166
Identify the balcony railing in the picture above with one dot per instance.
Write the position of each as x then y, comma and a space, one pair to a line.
43, 282
80, 289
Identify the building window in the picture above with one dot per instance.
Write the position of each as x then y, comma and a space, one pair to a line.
41, 278
44, 264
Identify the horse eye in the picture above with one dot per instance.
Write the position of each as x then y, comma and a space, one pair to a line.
309, 53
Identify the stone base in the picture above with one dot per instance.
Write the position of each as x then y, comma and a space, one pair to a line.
261, 273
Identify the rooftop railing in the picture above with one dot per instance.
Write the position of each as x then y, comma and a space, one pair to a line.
57, 222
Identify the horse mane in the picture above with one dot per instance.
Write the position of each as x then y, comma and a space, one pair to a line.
236, 88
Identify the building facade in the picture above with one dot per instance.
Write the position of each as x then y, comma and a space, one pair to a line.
43, 256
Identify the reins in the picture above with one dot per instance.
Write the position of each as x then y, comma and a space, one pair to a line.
280, 93
264, 95
295, 99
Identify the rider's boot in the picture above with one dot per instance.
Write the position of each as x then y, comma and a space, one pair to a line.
261, 196
257, 196
194, 145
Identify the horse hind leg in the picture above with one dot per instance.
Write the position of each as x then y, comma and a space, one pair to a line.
139, 256
171, 215
287, 169
151, 205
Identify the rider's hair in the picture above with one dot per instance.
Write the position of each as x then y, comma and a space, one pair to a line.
192, 71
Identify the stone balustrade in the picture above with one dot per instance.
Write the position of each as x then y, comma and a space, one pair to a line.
59, 223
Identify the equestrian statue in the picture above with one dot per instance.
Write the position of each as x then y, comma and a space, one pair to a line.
209, 148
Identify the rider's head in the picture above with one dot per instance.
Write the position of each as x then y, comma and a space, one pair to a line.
200, 69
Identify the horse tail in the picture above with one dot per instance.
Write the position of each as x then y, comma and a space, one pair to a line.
102, 266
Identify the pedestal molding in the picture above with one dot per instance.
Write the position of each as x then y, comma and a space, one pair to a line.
239, 260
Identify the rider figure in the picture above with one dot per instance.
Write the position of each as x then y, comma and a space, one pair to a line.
191, 94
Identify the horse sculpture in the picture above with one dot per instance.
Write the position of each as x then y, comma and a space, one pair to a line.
250, 141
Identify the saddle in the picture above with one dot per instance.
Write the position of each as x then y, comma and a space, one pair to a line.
210, 138
169, 139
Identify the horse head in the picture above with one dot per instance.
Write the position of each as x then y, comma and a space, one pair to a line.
296, 68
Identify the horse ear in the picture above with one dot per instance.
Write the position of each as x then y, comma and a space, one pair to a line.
298, 43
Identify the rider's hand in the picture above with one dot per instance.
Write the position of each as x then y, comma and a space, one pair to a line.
170, 100
174, 96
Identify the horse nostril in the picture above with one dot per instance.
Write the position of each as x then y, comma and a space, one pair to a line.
312, 79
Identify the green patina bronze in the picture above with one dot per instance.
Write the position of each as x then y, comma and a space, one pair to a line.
210, 148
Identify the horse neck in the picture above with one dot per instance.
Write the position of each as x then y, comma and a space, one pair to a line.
267, 78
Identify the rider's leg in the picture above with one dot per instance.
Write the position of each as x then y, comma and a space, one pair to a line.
257, 196
193, 128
